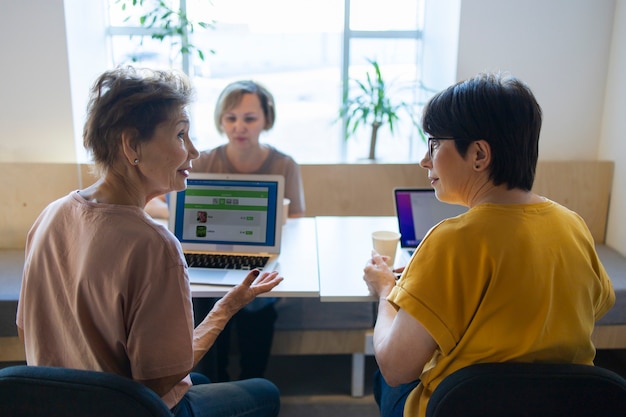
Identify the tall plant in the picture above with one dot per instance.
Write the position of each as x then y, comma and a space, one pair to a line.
373, 104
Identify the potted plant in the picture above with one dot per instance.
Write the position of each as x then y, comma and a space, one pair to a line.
374, 105
163, 22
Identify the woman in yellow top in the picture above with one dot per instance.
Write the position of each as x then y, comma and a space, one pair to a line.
516, 278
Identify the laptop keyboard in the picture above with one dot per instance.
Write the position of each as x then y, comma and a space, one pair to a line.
207, 260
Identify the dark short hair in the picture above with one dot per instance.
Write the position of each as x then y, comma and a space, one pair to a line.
499, 109
130, 98
231, 96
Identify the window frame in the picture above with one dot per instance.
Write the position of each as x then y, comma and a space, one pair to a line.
347, 37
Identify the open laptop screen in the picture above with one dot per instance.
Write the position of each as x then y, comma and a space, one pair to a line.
418, 210
228, 210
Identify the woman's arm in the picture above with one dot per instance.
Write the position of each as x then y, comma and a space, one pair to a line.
402, 346
206, 332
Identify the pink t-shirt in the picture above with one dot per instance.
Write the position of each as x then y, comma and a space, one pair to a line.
105, 288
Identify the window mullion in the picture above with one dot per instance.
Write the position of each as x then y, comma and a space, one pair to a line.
345, 77
184, 39
131, 31
386, 34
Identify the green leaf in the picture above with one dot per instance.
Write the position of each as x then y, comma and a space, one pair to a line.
167, 22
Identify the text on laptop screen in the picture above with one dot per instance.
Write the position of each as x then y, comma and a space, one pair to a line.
229, 212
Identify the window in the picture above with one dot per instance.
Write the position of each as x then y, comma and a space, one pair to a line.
305, 53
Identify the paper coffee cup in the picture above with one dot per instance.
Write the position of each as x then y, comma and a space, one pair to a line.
286, 203
386, 243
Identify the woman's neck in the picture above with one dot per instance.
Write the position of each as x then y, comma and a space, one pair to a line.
502, 195
114, 188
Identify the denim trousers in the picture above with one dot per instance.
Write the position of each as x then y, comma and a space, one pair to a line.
249, 397
391, 400
254, 327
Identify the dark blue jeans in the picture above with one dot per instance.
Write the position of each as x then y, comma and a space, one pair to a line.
254, 326
391, 400
250, 397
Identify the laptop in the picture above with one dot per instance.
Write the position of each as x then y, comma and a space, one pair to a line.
418, 210
226, 215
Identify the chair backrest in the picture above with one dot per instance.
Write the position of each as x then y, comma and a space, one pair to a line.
27, 391
529, 389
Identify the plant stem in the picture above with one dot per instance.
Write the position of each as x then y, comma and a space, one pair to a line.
375, 127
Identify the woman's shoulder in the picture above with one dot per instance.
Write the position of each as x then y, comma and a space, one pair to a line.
208, 154
210, 160
58, 208
152, 239
130, 221
154, 233
280, 161
277, 153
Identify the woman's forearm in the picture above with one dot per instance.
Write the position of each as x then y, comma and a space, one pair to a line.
205, 334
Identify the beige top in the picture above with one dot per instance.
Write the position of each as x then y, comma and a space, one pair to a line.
105, 288
276, 163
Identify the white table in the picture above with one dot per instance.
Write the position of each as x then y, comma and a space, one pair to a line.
344, 244
322, 256
298, 264
11, 267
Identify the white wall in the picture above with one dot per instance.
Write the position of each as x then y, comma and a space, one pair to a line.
571, 53
560, 48
87, 56
441, 43
613, 133
35, 104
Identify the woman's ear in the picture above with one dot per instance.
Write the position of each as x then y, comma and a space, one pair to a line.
130, 146
481, 154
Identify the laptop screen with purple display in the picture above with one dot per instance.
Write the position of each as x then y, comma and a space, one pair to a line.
418, 210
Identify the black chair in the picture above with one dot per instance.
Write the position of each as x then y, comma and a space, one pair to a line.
529, 390
27, 391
